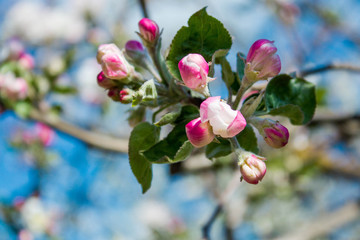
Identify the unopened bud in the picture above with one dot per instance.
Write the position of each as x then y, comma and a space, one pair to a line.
105, 82
12, 87
252, 168
149, 30
199, 133
113, 93
262, 62
194, 72
275, 134
113, 63
126, 96
135, 50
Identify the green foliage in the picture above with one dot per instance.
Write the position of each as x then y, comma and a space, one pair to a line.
291, 97
169, 117
227, 74
246, 138
23, 109
143, 136
175, 147
217, 55
204, 35
188, 113
240, 64
64, 89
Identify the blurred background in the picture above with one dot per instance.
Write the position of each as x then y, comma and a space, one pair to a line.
55, 186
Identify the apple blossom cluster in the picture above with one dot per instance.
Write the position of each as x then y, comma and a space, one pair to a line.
42, 134
217, 119
13, 88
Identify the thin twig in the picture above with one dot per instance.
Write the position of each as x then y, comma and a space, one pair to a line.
98, 140
327, 67
229, 190
144, 8
206, 228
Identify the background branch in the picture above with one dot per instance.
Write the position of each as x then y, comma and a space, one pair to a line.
327, 67
98, 140
144, 8
324, 224
224, 196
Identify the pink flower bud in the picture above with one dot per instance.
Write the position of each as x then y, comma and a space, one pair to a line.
13, 88
19, 88
276, 135
126, 96
44, 133
105, 82
199, 133
149, 30
113, 62
262, 62
252, 169
26, 61
194, 70
135, 50
224, 121
113, 93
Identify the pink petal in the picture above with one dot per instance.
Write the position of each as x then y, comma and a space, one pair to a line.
237, 125
204, 108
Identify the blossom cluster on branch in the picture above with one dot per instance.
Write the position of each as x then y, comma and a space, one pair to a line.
178, 92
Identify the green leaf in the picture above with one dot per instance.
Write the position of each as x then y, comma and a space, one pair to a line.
167, 149
293, 112
216, 150
227, 74
168, 117
291, 97
204, 35
218, 54
184, 152
175, 147
143, 136
240, 64
188, 113
246, 138
23, 109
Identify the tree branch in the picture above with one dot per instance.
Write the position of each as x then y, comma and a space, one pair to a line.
98, 140
327, 67
324, 224
144, 8
229, 190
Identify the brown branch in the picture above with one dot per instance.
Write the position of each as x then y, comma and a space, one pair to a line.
98, 140
327, 67
229, 190
324, 224
144, 8
323, 116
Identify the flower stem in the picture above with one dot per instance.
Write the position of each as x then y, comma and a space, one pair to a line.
159, 62
240, 93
